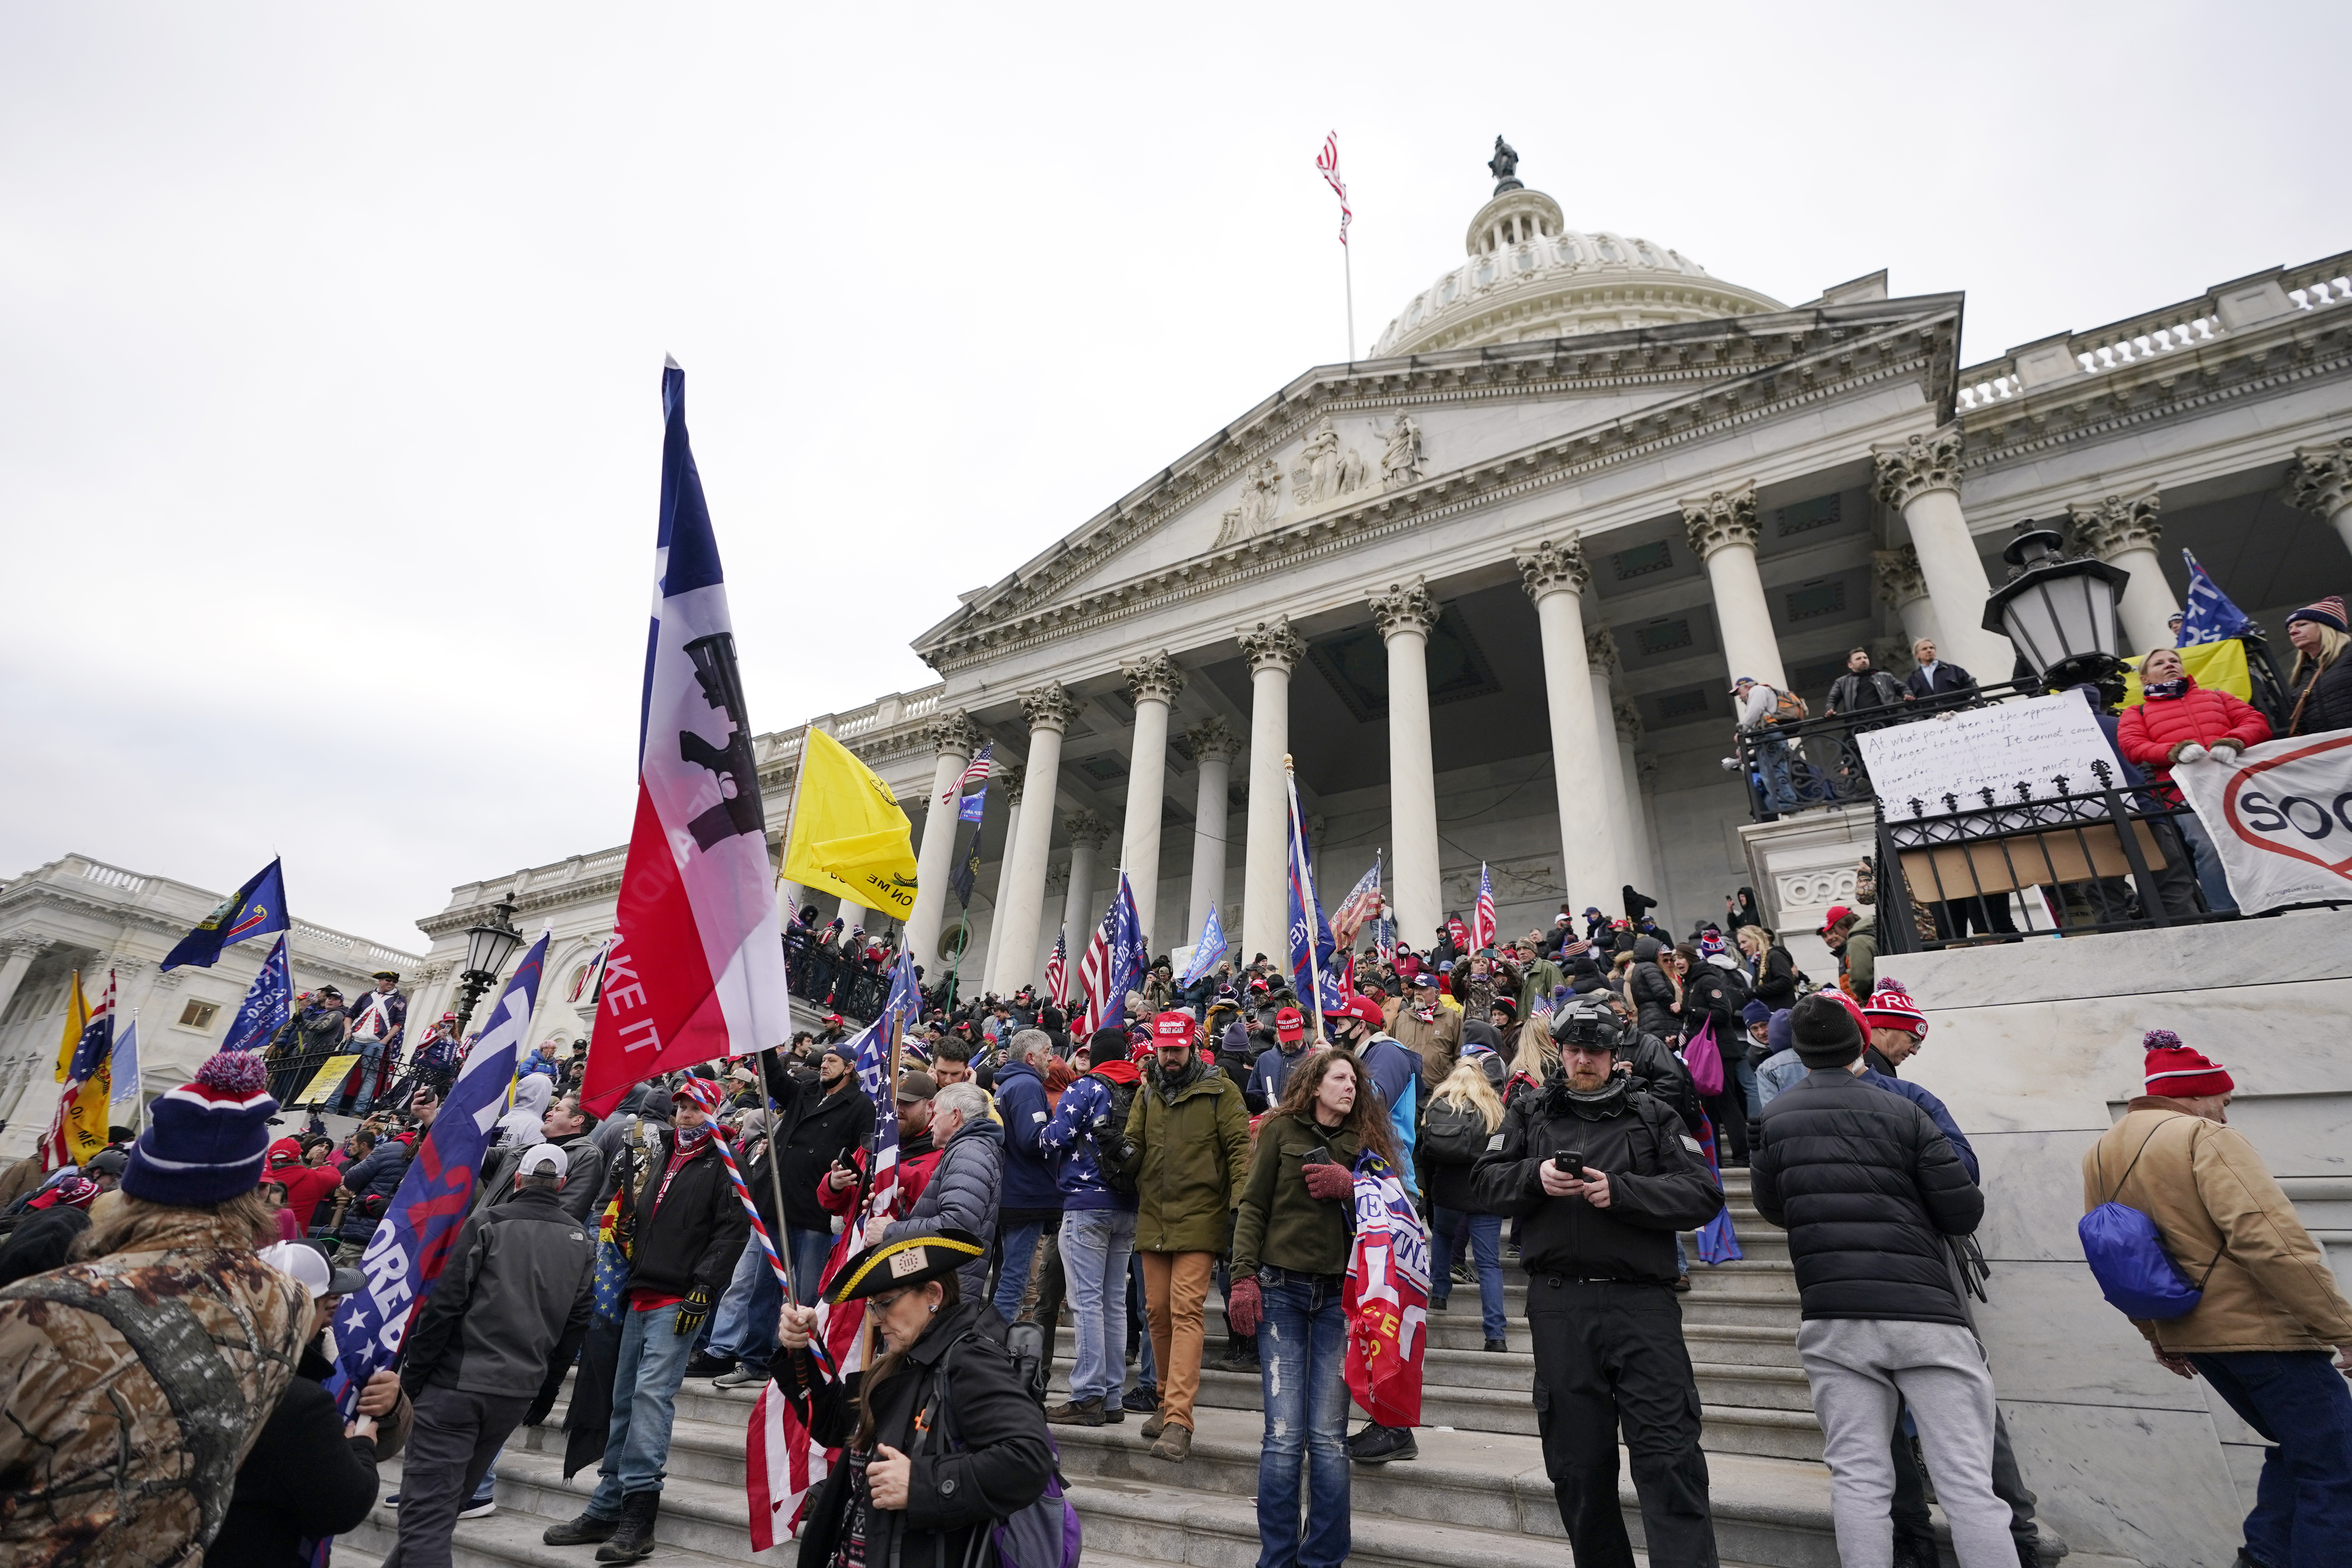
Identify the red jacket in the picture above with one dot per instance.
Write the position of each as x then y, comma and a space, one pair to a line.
2146, 734
914, 1175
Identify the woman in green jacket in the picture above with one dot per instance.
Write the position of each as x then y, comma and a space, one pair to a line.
1291, 1238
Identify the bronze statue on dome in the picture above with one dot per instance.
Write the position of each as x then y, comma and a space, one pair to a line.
1505, 167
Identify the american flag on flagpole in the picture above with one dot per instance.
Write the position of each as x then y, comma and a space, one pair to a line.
1482, 918
1057, 969
584, 983
1327, 161
1113, 964
1362, 902
975, 772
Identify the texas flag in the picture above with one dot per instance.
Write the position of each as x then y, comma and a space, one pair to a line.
696, 970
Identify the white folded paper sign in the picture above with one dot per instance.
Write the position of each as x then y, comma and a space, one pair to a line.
2034, 743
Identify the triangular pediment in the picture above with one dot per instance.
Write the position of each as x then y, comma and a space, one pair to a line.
1347, 443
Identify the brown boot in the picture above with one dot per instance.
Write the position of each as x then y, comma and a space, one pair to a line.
1175, 1444
1154, 1424
1077, 1413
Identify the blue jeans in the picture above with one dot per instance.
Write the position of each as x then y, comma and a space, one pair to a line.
745, 1326
1302, 1347
805, 1254
1095, 1246
2210, 880
1772, 766
1020, 1251
1485, 1232
1137, 1313
1747, 1076
644, 1402
2298, 1402
372, 1058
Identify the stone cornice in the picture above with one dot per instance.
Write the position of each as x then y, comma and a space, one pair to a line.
544, 901
1733, 373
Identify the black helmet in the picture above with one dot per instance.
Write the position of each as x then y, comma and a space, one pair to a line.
1585, 1025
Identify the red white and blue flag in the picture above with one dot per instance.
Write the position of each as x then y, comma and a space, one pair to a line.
1113, 964
695, 971
1482, 918
1057, 969
584, 983
975, 772
1313, 974
1362, 903
1386, 1296
1327, 161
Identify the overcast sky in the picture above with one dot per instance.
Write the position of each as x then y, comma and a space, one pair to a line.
330, 431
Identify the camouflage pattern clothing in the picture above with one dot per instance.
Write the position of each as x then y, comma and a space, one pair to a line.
131, 1388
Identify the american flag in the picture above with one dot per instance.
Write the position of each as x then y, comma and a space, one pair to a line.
1482, 918
1113, 964
584, 983
1327, 161
785, 1464
1362, 902
1057, 969
975, 772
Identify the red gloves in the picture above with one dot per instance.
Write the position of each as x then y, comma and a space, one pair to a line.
1329, 1180
1244, 1305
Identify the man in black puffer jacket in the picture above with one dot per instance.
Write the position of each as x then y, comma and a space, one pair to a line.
1868, 1189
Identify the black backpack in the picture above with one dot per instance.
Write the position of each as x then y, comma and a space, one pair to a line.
1122, 1099
1455, 1133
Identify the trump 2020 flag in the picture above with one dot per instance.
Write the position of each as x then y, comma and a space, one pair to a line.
268, 1003
1312, 972
697, 967
1386, 1296
258, 909
2208, 615
412, 1239
1209, 949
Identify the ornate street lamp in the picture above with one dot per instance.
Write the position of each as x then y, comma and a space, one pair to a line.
2059, 613
489, 943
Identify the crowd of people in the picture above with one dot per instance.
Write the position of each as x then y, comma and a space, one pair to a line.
1562, 1102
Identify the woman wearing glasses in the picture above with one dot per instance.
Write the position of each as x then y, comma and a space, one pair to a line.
919, 1473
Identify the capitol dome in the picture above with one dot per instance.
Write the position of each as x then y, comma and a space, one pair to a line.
1530, 275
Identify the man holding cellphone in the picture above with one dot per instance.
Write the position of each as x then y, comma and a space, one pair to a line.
1603, 1175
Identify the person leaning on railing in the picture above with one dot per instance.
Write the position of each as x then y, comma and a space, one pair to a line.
2320, 686
2179, 720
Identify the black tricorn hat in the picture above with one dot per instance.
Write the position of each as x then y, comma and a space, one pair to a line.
909, 1260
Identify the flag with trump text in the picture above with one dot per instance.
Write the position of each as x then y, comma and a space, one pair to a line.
696, 969
1312, 972
268, 1004
412, 1239
1386, 1296
785, 1462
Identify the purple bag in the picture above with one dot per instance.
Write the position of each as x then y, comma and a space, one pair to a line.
1705, 1062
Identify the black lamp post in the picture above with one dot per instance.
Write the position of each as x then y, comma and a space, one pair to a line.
2059, 612
489, 943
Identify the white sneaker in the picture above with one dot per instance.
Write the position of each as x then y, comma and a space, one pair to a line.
478, 1510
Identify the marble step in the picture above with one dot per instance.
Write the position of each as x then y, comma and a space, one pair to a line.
1462, 1327
1775, 1277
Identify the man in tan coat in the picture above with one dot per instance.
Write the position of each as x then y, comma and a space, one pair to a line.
1427, 1028
2269, 1310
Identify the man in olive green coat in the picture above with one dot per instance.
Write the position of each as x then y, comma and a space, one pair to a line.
1188, 1152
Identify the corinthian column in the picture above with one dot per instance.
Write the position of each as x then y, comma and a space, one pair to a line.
1601, 658
1554, 576
1213, 748
1014, 781
1405, 614
2124, 531
1920, 478
1152, 682
1272, 650
1903, 587
2320, 480
1641, 865
1049, 710
1722, 529
19, 953
955, 739
1089, 834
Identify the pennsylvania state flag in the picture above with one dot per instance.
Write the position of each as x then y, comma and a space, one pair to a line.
258, 909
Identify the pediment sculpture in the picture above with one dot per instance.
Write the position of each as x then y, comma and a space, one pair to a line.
1401, 461
1261, 497
1325, 470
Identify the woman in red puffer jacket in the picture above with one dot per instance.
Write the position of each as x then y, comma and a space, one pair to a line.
2179, 713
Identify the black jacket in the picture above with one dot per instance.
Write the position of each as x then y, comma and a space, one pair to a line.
1867, 1190
818, 1129
1653, 992
1846, 692
2330, 704
1658, 1182
1949, 677
694, 1238
41, 1242
1776, 979
1659, 1073
515, 1289
1706, 999
302, 1477
986, 1456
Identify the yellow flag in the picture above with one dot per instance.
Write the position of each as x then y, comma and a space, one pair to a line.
77, 1020
2218, 666
848, 836
85, 1118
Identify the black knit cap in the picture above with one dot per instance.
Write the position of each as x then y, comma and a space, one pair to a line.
1824, 1033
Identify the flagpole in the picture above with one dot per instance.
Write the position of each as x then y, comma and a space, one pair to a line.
1348, 266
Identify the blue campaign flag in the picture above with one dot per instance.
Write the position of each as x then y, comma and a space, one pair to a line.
2209, 616
1121, 950
414, 1239
974, 804
1208, 950
969, 808
1310, 932
268, 1004
124, 1068
258, 909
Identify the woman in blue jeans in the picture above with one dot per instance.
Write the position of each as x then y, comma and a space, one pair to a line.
1291, 1236
1466, 1092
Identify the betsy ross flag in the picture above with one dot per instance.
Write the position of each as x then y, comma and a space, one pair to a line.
1113, 964
1482, 918
695, 971
784, 1463
1058, 968
1386, 1296
1362, 903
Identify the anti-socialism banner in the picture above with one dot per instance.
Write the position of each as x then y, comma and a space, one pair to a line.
697, 967
2280, 815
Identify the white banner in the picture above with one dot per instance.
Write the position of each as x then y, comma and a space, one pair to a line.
2034, 743
2281, 815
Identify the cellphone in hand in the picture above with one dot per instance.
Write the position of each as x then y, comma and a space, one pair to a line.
1315, 1157
1568, 1165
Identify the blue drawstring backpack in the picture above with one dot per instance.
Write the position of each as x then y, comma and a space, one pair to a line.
2127, 1257
1045, 1534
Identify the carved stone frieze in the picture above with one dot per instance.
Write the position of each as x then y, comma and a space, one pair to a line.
2115, 524
1325, 469
1531, 877
1721, 518
955, 734
1552, 568
1401, 461
1049, 707
1154, 678
1896, 571
1261, 499
1911, 467
1272, 644
2320, 478
1405, 607
1212, 737
1089, 828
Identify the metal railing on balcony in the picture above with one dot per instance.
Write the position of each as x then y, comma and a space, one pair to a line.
1815, 762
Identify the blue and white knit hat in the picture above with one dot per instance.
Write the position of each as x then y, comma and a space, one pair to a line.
206, 1139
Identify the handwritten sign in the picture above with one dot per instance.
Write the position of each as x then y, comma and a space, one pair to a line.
328, 1081
2034, 743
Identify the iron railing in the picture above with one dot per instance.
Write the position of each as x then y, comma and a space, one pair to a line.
1815, 762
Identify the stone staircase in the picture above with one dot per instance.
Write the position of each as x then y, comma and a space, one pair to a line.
1476, 1498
